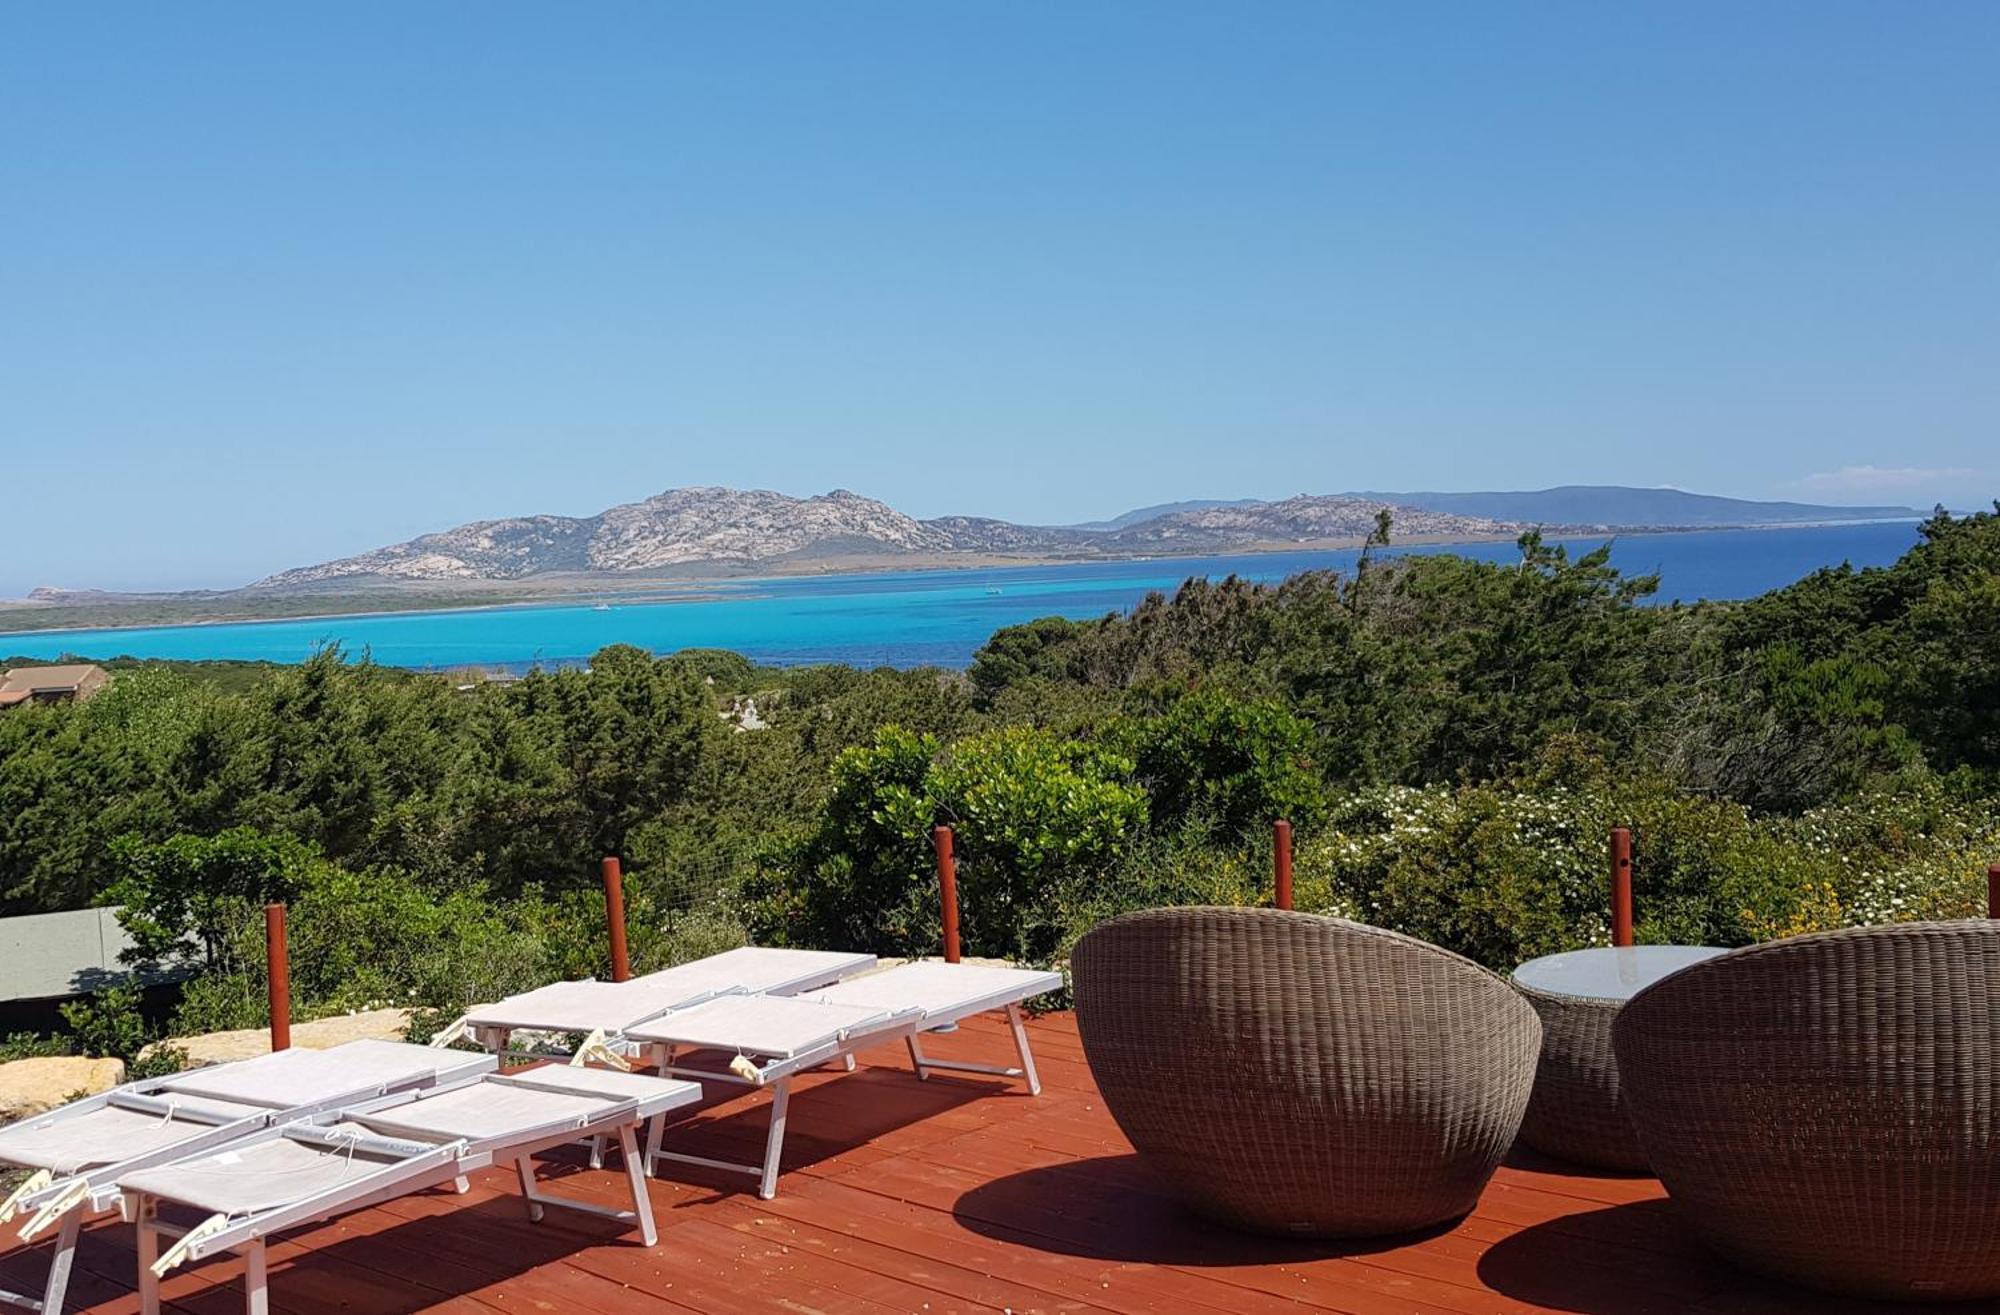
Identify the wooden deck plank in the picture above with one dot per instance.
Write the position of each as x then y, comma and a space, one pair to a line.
961, 1193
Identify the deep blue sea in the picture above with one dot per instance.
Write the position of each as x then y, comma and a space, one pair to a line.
911, 618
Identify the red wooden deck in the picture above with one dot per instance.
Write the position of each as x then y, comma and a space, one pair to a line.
956, 1194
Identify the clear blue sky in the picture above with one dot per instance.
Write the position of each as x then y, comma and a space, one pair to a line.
279, 282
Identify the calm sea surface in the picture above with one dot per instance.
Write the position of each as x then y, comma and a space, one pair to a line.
916, 617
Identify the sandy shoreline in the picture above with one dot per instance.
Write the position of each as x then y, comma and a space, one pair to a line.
699, 582
33, 617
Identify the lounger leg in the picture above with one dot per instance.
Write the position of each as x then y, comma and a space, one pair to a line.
774, 1145
59, 1266
655, 1130
526, 1168
1021, 1044
149, 1251
635, 1173
461, 1184
256, 1281
597, 1152
848, 1060
917, 1059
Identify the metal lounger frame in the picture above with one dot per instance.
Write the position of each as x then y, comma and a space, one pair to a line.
777, 1073
496, 1038
418, 1166
150, 1095
103, 1196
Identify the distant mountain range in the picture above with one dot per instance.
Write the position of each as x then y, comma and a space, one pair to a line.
721, 527
1613, 506
695, 526
1138, 514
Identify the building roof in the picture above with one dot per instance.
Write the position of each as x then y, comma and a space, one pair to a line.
33, 680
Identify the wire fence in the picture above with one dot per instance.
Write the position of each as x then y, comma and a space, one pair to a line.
687, 908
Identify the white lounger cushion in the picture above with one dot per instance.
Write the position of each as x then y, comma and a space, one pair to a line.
777, 1026
755, 968
615, 1006
574, 1007
602, 1082
514, 1106
102, 1136
289, 1078
257, 1176
483, 1111
944, 991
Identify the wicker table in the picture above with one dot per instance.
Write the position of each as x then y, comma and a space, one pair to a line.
1576, 1112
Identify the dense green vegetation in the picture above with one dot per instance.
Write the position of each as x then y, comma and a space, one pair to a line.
1452, 739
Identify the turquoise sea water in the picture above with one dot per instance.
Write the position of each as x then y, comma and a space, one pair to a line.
916, 617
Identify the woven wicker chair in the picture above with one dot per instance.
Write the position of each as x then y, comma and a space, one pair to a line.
1303, 1075
1826, 1109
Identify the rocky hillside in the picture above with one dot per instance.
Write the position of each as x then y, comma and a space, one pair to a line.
1295, 520
684, 526
675, 527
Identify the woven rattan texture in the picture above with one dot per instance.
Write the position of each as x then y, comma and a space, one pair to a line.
1577, 1112
1298, 1074
1827, 1108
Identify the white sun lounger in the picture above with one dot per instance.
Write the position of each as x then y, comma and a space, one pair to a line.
80, 1152
299, 1173
610, 1008
776, 1038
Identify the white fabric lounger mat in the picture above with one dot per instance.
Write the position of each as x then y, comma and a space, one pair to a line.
108, 1135
787, 1035
262, 1175
289, 1079
299, 1173
143, 1118
498, 1114
782, 1027
82, 1151
551, 1099
591, 1006
944, 992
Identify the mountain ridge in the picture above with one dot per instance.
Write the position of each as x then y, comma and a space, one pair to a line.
717, 526
1623, 506
690, 526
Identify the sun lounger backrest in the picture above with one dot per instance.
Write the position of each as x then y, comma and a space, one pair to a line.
942, 991
777, 1026
245, 1178
294, 1078
589, 1006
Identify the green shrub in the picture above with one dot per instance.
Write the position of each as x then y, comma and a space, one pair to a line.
1505, 872
108, 1024
1030, 811
179, 897
27, 1045
160, 1060
1244, 763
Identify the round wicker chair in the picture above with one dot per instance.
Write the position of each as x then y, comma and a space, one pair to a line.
1826, 1109
1303, 1075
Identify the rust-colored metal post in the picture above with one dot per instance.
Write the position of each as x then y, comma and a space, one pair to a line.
947, 890
1281, 863
1621, 885
280, 976
1993, 891
614, 920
